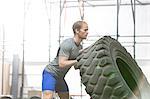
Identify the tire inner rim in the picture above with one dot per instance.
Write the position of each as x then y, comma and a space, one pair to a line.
127, 75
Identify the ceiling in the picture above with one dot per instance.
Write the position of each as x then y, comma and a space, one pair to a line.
96, 3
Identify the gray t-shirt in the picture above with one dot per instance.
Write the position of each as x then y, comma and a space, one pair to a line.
68, 48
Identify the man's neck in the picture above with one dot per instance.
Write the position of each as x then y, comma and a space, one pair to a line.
77, 40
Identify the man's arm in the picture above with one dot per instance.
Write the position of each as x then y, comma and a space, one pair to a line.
64, 62
82, 50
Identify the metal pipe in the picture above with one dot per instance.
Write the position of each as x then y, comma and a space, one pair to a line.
23, 37
3, 60
99, 5
134, 29
49, 21
134, 26
49, 39
117, 30
60, 13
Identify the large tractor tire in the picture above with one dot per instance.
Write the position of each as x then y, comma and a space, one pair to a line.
108, 71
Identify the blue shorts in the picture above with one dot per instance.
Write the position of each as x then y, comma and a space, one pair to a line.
49, 82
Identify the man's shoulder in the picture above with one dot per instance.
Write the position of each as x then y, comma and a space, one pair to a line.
67, 41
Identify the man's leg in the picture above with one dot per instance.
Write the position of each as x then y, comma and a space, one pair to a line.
63, 95
62, 89
48, 85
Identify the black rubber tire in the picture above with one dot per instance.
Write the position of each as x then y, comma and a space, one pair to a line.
5, 97
35, 97
108, 71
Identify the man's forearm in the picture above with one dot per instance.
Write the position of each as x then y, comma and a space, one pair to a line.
67, 63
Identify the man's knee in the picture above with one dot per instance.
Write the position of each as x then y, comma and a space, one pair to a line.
48, 95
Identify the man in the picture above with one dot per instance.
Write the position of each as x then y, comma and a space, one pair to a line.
54, 73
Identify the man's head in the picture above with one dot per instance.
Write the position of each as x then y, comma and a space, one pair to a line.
80, 28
